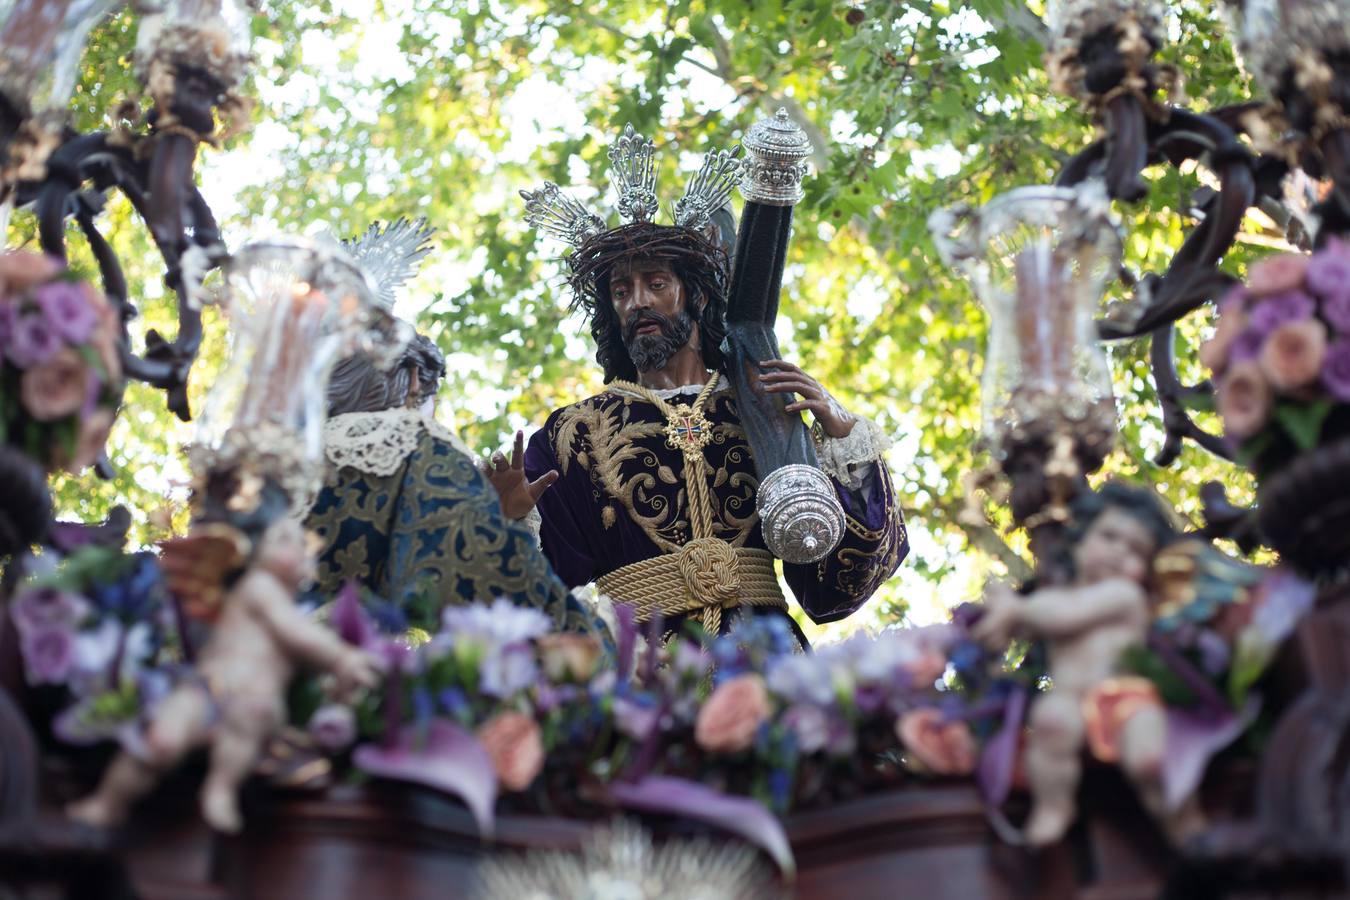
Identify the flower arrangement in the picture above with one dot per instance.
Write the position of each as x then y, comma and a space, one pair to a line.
736, 732
1280, 356
730, 732
60, 368
98, 634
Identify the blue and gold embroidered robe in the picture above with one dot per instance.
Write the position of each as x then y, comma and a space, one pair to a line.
433, 529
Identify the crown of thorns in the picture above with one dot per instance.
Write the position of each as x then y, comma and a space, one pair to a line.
599, 248
682, 247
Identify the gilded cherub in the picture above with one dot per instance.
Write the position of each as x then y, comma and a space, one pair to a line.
235, 699
1087, 626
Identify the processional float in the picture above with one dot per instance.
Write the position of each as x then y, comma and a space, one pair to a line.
1040, 258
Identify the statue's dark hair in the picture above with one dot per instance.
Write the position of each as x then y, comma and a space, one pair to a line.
700, 265
358, 385
1139, 503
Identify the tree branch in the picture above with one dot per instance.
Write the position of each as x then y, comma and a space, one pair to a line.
769, 101
987, 540
1025, 23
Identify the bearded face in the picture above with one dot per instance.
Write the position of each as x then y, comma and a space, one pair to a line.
652, 338
654, 319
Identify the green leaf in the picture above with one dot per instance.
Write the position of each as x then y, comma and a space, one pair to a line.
1199, 401
1303, 421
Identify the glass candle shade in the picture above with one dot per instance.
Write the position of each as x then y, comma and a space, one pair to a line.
1039, 259
295, 307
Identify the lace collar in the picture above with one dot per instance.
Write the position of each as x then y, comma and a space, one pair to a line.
668, 393
377, 443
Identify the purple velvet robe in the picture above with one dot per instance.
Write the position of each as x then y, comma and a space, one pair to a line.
620, 498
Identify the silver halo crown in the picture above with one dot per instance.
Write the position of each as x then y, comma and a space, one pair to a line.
633, 172
391, 254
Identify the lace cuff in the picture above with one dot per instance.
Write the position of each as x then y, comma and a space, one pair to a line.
844, 458
532, 522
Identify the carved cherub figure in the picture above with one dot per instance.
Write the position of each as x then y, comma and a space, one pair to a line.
235, 701
1087, 626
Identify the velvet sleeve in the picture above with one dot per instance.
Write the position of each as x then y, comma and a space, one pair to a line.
874, 543
562, 534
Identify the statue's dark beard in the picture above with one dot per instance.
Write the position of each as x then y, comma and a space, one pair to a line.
650, 352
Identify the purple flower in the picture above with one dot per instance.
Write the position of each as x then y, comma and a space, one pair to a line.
840, 740
66, 306
1336, 369
1336, 310
507, 670
1247, 346
47, 655
48, 608
809, 725
350, 619
1214, 652
7, 314
1271, 313
32, 341
802, 677
1234, 301
1328, 274
333, 727
690, 659
603, 682
501, 623
453, 701
634, 717
869, 698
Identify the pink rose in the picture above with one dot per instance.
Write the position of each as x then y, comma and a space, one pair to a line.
569, 657
942, 747
333, 727
1292, 355
512, 741
928, 668
1214, 352
56, 388
1277, 274
1244, 398
728, 721
20, 270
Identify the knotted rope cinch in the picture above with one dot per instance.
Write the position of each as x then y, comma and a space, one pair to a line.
707, 574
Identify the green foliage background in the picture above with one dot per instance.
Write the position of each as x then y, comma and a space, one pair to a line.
446, 108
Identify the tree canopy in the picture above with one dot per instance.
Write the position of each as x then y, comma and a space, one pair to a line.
447, 109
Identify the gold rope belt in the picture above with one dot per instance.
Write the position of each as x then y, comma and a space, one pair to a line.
707, 575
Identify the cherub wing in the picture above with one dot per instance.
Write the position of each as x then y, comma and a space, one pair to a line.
1193, 581
391, 255
197, 567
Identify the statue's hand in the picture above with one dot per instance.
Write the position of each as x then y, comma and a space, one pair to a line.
784, 378
518, 495
355, 669
994, 629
